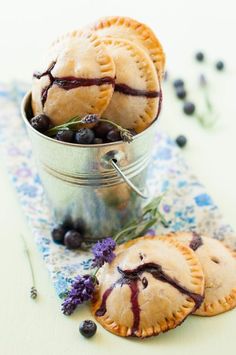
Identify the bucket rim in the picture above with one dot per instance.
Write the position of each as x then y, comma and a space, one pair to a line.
25, 102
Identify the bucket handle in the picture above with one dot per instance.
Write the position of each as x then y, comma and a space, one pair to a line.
126, 179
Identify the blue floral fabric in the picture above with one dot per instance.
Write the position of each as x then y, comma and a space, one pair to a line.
186, 203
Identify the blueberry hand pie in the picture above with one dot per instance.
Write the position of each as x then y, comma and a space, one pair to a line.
137, 94
151, 286
77, 79
138, 33
219, 267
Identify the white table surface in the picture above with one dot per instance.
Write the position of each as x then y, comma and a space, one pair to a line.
26, 28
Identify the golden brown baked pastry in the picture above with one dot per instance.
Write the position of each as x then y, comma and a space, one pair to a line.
77, 80
136, 98
138, 33
219, 267
151, 286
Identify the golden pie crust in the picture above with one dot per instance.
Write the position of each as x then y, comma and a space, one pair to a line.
78, 55
138, 33
135, 71
144, 305
219, 267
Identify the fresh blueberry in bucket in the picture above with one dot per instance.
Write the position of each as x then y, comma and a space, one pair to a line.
181, 141
113, 135
101, 129
181, 92
84, 136
188, 108
41, 123
79, 225
58, 234
199, 56
178, 83
87, 328
66, 135
73, 239
220, 65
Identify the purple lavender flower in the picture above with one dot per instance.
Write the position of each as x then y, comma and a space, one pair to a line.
81, 291
103, 252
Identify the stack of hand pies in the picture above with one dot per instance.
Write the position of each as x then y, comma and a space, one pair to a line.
112, 68
154, 283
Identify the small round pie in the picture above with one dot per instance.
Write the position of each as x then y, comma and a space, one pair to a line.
138, 33
219, 267
78, 78
151, 286
136, 98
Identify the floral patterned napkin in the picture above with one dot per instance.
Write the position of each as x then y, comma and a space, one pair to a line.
186, 203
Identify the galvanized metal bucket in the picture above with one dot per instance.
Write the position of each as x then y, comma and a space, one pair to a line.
103, 184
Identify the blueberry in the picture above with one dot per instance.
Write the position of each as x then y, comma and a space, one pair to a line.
181, 141
58, 234
199, 56
79, 225
113, 135
188, 108
87, 328
181, 92
97, 141
220, 65
84, 136
178, 83
66, 135
101, 129
40, 122
73, 239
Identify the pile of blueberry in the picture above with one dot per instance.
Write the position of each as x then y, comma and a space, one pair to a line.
181, 93
94, 132
69, 234
180, 90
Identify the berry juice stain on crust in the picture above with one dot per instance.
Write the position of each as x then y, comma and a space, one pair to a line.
196, 241
127, 90
71, 82
131, 278
135, 305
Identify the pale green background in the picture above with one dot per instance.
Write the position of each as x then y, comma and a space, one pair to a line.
26, 28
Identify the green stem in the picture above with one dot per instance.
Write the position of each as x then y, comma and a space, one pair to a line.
29, 261
123, 231
95, 272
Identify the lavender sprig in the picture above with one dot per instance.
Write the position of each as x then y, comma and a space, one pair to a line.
103, 252
150, 216
81, 291
210, 118
33, 290
83, 287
